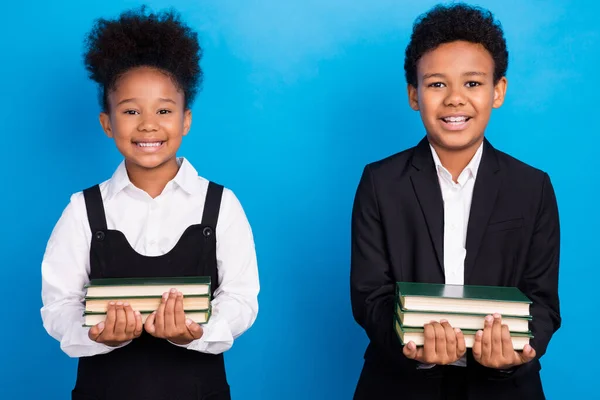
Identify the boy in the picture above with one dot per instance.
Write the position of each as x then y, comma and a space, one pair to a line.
454, 210
155, 217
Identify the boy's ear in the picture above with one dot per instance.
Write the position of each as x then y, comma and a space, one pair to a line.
413, 97
187, 121
500, 92
105, 122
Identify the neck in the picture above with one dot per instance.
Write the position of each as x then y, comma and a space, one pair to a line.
152, 180
455, 161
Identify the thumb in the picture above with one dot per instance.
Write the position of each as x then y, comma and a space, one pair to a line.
410, 350
527, 354
195, 330
96, 331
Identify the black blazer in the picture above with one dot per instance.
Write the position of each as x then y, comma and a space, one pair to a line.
397, 235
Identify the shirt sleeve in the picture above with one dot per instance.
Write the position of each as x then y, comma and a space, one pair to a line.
65, 271
235, 303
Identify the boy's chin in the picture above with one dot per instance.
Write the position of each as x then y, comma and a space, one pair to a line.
454, 142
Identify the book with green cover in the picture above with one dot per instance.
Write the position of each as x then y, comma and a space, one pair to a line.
416, 335
185, 280
198, 316
417, 319
145, 303
136, 287
462, 298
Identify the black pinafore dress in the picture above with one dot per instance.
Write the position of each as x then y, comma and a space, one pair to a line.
149, 368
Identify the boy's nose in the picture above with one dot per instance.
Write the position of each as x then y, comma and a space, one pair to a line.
455, 98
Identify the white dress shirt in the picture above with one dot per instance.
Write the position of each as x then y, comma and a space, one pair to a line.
457, 198
152, 227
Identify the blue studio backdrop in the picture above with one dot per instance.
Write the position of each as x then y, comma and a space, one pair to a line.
298, 96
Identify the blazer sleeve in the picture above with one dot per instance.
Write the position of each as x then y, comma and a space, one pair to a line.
372, 286
540, 278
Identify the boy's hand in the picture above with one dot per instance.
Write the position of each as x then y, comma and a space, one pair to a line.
493, 347
443, 345
121, 324
169, 322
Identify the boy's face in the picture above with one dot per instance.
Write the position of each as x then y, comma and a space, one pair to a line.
456, 94
147, 118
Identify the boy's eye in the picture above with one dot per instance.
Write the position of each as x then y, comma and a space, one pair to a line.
472, 84
436, 84
164, 111
130, 112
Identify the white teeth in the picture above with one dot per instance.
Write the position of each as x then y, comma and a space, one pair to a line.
455, 119
154, 144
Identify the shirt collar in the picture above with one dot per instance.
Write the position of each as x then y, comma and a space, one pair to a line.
469, 171
186, 179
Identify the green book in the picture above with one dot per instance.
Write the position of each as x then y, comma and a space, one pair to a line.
509, 301
198, 316
139, 287
416, 335
417, 319
145, 303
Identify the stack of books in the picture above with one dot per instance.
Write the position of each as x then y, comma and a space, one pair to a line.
144, 295
463, 306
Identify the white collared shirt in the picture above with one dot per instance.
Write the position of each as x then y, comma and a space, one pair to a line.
457, 198
152, 227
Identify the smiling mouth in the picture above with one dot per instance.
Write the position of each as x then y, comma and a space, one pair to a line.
148, 144
456, 120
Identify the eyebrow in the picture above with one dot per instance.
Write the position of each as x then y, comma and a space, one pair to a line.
440, 75
133, 99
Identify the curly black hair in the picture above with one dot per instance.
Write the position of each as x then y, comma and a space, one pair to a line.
137, 38
449, 23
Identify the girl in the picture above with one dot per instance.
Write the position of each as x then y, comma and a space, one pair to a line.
155, 217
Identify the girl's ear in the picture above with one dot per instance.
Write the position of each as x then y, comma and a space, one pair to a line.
105, 122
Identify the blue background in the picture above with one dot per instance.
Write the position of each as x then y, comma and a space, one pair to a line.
298, 97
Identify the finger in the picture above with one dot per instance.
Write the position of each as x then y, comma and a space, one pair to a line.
129, 319
497, 349
429, 345
149, 325
527, 354
138, 324
96, 331
461, 346
440, 340
170, 326
450, 337
195, 330
111, 317
121, 319
486, 340
180, 320
477, 346
410, 350
507, 346
159, 321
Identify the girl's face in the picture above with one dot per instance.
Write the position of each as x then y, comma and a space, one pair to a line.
146, 118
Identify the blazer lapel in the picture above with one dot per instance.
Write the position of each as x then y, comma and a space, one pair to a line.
427, 188
485, 191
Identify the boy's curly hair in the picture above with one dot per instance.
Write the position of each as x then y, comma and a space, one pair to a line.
137, 38
449, 23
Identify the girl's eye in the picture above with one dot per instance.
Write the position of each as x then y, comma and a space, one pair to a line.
130, 112
164, 111
472, 84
